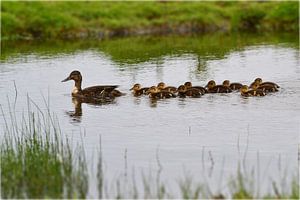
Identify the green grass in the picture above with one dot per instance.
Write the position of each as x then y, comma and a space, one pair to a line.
37, 163
106, 19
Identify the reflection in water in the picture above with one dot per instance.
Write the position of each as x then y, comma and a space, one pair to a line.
77, 102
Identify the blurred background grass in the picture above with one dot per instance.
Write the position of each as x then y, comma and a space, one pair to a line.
92, 19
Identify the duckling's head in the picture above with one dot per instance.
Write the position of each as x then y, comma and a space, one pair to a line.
258, 80
136, 87
226, 83
153, 89
255, 85
181, 88
188, 84
161, 85
75, 75
211, 84
244, 89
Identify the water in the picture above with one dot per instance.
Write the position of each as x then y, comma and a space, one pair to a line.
203, 137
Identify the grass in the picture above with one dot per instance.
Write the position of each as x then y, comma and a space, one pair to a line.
37, 163
21, 20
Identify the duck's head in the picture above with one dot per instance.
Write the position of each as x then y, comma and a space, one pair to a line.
211, 84
188, 84
226, 83
161, 85
244, 89
75, 75
153, 89
258, 80
181, 89
136, 87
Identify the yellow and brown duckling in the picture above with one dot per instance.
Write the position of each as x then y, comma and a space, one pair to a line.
137, 89
213, 88
94, 92
154, 93
247, 93
183, 92
265, 87
189, 85
260, 83
232, 86
162, 87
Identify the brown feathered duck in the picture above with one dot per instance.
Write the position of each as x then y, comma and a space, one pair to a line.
91, 93
137, 90
183, 92
254, 92
232, 86
189, 85
154, 93
162, 87
213, 88
260, 83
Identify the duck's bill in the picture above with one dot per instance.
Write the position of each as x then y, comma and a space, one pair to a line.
67, 79
131, 89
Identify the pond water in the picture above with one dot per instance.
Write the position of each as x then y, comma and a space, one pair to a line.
203, 137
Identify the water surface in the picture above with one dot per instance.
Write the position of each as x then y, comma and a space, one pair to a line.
186, 135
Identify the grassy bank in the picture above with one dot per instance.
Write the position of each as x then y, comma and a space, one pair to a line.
106, 19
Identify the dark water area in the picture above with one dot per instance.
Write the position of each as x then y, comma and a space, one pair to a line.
190, 135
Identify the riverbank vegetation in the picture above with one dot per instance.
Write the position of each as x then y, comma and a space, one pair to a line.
36, 162
45, 20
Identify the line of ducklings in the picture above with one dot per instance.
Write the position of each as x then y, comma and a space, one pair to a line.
161, 91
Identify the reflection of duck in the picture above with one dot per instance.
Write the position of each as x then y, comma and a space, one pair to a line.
260, 83
265, 87
90, 93
162, 87
246, 92
213, 88
137, 89
189, 85
183, 92
232, 86
77, 108
154, 93
77, 102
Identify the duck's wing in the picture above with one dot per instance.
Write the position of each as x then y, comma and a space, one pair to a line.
101, 90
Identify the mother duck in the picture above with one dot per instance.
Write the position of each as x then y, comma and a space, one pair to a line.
94, 92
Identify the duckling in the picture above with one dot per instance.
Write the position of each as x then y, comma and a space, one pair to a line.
162, 87
247, 93
154, 93
189, 85
137, 89
183, 92
94, 92
213, 88
259, 82
232, 86
265, 87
